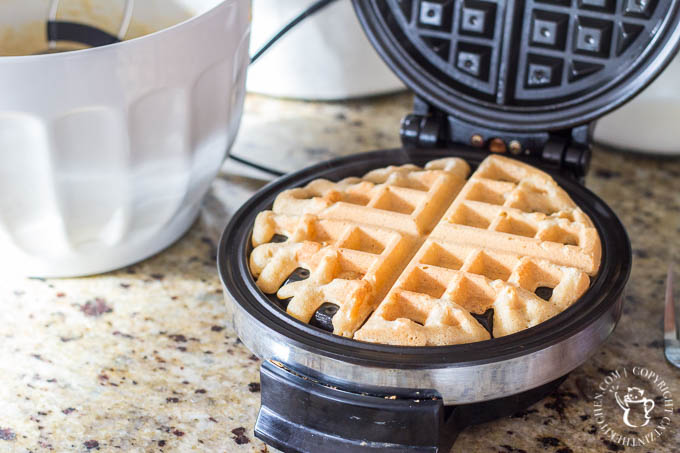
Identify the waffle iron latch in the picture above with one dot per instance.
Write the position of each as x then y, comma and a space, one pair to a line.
566, 152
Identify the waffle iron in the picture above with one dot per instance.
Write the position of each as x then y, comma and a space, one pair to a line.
522, 78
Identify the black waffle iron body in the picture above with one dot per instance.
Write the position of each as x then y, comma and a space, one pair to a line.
524, 78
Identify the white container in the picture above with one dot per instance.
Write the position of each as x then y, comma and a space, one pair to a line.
107, 152
649, 122
325, 57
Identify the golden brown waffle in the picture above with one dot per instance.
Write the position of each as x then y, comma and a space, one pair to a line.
426, 257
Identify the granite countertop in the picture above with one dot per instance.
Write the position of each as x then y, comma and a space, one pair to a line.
140, 359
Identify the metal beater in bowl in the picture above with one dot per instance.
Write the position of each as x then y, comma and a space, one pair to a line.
87, 35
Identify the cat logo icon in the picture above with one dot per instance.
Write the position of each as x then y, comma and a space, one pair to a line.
636, 401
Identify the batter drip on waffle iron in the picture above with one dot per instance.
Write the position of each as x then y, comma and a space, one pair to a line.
412, 255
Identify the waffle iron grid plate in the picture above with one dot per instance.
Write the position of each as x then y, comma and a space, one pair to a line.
524, 66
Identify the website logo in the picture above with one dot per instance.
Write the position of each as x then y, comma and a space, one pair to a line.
633, 407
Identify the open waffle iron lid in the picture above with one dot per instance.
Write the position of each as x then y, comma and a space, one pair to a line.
523, 67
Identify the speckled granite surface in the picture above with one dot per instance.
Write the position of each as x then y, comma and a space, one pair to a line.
139, 359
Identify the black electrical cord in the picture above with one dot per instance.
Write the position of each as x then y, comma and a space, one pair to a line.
313, 8
257, 166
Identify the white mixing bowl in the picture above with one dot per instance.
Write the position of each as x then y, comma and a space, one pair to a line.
108, 152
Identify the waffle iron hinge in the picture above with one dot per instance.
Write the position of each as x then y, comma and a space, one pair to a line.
564, 151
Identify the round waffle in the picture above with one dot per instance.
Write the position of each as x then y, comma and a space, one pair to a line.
421, 256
